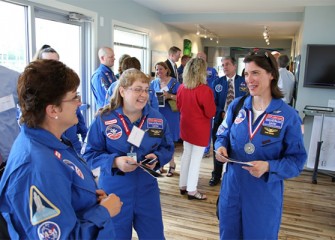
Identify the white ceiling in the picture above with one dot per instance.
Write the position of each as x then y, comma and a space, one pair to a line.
244, 19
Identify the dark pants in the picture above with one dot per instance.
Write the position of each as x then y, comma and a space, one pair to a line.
217, 172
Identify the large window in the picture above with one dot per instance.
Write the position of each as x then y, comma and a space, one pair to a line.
13, 40
131, 42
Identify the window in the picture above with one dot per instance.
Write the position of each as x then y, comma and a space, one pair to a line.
132, 42
13, 43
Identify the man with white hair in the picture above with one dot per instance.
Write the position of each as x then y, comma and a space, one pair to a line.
103, 77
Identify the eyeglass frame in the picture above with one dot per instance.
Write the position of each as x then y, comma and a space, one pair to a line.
139, 91
76, 98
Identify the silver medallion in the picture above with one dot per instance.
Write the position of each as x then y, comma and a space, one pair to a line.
249, 148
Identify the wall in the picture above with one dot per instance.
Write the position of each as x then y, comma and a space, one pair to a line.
317, 29
162, 36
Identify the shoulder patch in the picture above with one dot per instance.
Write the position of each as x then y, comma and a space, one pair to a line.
74, 168
48, 231
113, 132
40, 208
156, 123
218, 88
109, 122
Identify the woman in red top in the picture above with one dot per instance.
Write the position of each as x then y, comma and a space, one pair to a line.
195, 100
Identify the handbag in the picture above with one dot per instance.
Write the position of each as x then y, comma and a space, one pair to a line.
172, 102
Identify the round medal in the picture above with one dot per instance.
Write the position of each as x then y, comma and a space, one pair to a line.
249, 148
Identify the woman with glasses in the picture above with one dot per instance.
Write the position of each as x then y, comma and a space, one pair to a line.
46, 189
47, 52
125, 133
266, 138
167, 86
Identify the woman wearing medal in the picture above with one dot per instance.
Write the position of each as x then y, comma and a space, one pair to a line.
124, 133
266, 133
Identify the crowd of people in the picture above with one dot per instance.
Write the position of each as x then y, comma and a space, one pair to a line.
103, 184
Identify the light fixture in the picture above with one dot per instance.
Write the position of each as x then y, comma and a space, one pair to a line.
198, 30
204, 32
266, 35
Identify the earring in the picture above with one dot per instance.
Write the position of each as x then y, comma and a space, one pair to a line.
56, 117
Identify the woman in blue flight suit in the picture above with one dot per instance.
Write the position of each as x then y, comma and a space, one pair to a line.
267, 133
126, 132
47, 191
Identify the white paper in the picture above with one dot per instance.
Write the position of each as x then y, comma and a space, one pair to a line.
327, 153
136, 136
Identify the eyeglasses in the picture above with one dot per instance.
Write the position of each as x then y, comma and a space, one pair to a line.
76, 98
139, 91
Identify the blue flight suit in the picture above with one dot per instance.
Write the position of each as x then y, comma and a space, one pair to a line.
220, 87
250, 207
212, 75
101, 79
139, 191
79, 128
47, 189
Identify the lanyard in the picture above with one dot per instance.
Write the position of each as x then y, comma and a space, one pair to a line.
253, 133
125, 125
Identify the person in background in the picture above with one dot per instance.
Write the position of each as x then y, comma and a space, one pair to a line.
286, 79
168, 86
174, 56
251, 196
46, 188
127, 63
223, 97
180, 69
211, 76
123, 134
9, 126
78, 129
195, 101
103, 77
123, 57
46, 52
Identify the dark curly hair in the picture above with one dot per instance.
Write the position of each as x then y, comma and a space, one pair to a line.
42, 83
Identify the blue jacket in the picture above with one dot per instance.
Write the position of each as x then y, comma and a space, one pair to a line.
46, 187
258, 201
212, 75
101, 79
139, 192
220, 86
72, 133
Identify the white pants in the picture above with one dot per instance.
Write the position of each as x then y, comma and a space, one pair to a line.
190, 166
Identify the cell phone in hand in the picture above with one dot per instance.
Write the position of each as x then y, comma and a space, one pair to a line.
149, 161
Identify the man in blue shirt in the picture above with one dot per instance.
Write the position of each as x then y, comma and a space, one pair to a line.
103, 77
9, 127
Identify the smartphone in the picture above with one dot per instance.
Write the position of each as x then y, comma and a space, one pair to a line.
149, 161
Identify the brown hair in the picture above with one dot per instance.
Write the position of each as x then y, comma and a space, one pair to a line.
195, 73
265, 60
130, 62
127, 79
43, 82
164, 65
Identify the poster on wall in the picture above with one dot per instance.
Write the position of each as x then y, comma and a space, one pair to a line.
187, 47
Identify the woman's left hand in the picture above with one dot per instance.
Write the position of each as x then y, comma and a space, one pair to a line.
100, 194
151, 156
258, 168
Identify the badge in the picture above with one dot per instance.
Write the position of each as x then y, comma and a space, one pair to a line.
74, 168
157, 133
136, 136
218, 88
274, 121
41, 208
48, 231
132, 155
268, 131
156, 123
249, 148
113, 132
240, 116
